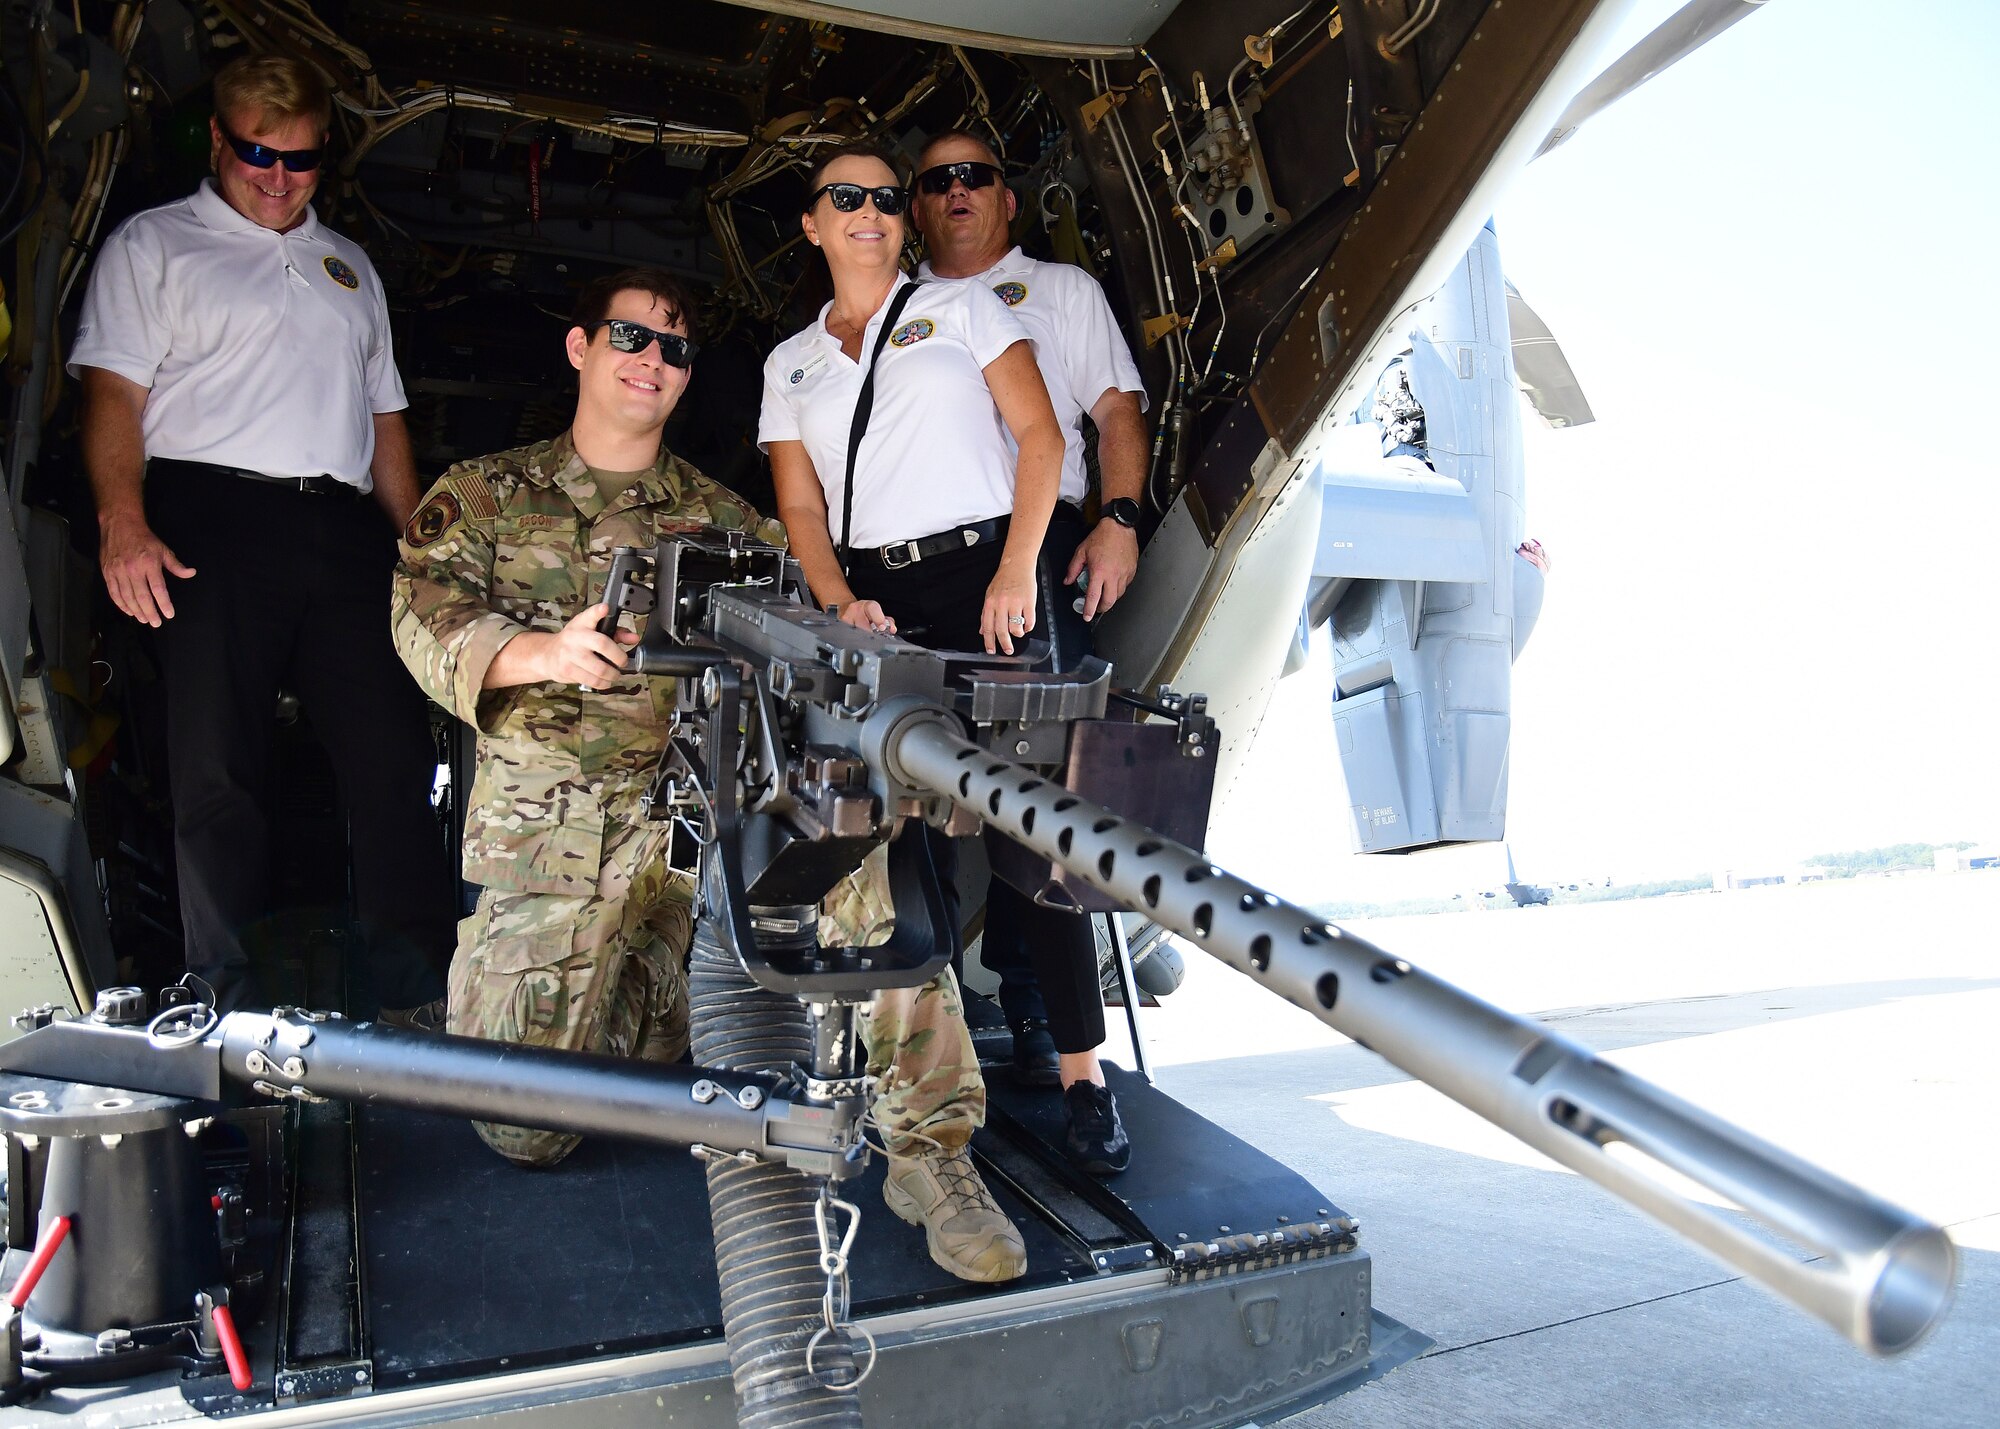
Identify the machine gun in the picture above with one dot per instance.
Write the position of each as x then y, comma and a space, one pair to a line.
802, 744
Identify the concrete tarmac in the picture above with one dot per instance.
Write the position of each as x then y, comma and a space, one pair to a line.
1856, 1023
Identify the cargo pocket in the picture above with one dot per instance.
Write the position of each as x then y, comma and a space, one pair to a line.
522, 977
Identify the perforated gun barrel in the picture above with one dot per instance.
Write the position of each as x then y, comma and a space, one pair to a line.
1879, 1274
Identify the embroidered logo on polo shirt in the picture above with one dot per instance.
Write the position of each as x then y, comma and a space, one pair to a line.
915, 330
337, 269
1012, 294
433, 518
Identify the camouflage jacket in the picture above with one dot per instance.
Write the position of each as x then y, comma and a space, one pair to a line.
518, 541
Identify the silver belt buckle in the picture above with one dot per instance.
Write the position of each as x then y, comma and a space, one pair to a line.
893, 558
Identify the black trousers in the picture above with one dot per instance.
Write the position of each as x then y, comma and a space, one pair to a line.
291, 590
1045, 958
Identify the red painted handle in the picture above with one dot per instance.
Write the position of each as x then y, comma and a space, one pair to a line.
51, 1242
232, 1347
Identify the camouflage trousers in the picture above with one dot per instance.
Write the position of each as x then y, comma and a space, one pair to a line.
928, 1089
598, 972
607, 972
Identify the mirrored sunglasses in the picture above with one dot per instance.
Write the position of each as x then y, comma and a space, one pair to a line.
969, 173
675, 350
890, 200
262, 156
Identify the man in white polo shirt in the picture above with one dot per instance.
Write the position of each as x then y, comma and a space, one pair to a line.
241, 406
963, 208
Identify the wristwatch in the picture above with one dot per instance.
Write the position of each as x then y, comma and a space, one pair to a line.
1124, 510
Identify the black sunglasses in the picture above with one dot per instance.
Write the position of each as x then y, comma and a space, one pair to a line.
262, 156
971, 173
890, 200
675, 350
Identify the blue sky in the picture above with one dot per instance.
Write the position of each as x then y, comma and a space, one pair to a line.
1772, 623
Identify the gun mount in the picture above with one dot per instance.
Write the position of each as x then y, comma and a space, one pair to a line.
801, 745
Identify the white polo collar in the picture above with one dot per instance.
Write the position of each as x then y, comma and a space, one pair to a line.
825, 334
1014, 261
215, 214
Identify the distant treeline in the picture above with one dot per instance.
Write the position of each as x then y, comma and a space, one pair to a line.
1891, 858
1618, 892
1558, 895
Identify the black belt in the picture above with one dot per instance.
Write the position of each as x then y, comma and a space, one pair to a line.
311, 485
898, 554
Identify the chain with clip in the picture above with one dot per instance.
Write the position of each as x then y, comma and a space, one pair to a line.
834, 1304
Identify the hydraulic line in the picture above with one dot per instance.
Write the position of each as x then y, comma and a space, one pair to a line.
1163, 283
767, 1248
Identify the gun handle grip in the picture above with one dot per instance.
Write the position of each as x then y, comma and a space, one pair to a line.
625, 563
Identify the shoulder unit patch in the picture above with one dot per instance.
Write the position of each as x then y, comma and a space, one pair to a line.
432, 519
458, 495
1013, 294
338, 270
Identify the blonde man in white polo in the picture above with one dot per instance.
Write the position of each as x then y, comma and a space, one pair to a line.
244, 439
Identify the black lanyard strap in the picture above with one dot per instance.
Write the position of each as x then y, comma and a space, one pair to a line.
864, 403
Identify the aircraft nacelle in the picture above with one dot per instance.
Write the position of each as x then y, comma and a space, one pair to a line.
1418, 576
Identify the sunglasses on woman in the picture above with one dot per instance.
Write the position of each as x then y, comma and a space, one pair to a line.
890, 200
263, 156
969, 173
675, 350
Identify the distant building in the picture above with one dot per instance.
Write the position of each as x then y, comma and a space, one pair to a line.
1729, 878
1965, 860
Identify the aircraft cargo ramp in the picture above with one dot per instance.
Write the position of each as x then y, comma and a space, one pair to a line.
418, 1278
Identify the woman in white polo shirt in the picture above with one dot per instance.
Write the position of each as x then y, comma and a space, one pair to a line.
935, 486
946, 523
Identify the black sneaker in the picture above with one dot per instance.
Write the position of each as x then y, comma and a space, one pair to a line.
1035, 1054
1096, 1137
426, 1017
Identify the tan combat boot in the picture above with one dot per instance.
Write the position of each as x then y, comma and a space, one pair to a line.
968, 1234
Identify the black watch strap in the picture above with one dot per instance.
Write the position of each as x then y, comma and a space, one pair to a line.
1124, 510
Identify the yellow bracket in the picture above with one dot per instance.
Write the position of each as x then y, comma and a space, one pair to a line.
1094, 110
1157, 328
1222, 256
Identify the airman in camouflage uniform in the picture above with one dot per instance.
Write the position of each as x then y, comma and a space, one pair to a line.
581, 934
580, 939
